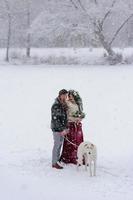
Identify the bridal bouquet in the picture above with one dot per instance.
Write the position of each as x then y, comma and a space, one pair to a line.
79, 114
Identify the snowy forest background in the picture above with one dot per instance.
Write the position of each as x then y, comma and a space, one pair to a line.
31, 24
47, 45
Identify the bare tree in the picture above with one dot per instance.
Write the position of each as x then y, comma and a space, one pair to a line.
100, 20
28, 49
9, 19
98, 26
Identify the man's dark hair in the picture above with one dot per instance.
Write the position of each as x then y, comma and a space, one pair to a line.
63, 91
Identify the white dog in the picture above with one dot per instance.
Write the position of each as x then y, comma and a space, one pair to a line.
87, 152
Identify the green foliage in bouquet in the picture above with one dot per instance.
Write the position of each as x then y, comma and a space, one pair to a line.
79, 114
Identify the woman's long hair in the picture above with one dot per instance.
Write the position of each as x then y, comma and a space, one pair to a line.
77, 99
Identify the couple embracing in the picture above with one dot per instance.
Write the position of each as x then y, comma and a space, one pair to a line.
66, 116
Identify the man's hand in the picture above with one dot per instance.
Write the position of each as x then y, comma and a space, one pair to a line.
63, 133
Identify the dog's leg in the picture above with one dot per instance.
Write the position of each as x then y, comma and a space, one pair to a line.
85, 167
86, 161
78, 165
90, 166
80, 158
79, 161
95, 168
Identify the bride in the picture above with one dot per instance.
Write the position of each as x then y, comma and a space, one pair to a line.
75, 134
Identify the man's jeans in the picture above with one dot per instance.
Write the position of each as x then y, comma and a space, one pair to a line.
58, 141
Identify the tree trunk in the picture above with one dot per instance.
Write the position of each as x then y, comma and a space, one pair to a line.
28, 26
113, 58
8, 39
28, 46
9, 17
105, 44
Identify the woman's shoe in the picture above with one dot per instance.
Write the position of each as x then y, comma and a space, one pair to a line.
57, 166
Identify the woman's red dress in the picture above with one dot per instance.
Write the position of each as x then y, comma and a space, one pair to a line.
75, 135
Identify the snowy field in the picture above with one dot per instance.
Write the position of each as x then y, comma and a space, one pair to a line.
26, 96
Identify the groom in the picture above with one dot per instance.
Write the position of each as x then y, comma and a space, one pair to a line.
58, 126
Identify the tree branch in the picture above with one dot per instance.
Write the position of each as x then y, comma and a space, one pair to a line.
81, 5
96, 2
119, 29
107, 14
83, 8
74, 4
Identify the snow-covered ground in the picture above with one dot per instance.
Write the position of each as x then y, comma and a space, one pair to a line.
26, 96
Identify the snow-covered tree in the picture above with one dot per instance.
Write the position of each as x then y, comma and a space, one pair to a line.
100, 20
61, 21
22, 13
9, 21
12, 27
27, 12
102, 14
67, 23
